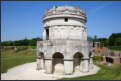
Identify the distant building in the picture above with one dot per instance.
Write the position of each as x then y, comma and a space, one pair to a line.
99, 50
64, 47
108, 55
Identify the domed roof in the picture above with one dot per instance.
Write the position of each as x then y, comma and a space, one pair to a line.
63, 11
63, 8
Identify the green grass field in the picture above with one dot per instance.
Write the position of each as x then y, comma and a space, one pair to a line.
10, 59
105, 73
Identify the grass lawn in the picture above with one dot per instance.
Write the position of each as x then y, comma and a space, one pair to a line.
105, 73
10, 59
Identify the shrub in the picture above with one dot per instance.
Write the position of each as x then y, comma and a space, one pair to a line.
114, 47
22, 48
2, 47
98, 58
17, 51
27, 47
33, 47
16, 46
9, 47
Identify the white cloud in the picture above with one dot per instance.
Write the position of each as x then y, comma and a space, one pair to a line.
101, 7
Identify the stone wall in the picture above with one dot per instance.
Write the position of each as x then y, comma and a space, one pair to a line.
59, 29
67, 49
109, 56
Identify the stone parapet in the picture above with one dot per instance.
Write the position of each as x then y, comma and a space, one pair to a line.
64, 10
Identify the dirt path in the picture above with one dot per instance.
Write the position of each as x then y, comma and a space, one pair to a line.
28, 72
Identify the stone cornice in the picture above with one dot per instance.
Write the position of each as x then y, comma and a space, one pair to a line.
65, 15
63, 25
68, 59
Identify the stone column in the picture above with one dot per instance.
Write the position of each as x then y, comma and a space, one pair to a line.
42, 63
91, 63
68, 66
48, 66
38, 63
85, 64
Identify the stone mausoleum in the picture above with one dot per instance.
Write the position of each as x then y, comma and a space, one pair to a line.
64, 48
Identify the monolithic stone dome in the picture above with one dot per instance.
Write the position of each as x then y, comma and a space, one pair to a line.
65, 10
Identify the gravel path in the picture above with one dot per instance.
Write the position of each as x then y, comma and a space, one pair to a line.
28, 72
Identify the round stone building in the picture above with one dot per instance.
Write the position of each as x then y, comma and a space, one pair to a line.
64, 48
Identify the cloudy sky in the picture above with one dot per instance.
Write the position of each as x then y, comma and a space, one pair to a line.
20, 19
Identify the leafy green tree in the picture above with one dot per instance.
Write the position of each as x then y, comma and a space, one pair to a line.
32, 42
4, 43
106, 42
112, 38
118, 41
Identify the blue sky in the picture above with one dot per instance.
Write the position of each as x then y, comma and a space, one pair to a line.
20, 19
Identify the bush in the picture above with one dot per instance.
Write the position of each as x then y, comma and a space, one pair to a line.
16, 46
114, 47
98, 58
27, 47
9, 47
2, 47
17, 51
33, 47
21, 48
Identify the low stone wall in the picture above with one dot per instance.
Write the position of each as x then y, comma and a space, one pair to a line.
108, 55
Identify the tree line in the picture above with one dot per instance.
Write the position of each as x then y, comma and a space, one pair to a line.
24, 42
114, 40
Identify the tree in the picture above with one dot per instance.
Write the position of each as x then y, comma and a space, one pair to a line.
112, 38
95, 39
106, 42
32, 42
118, 41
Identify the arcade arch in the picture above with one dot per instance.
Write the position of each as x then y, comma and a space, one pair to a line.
77, 60
57, 62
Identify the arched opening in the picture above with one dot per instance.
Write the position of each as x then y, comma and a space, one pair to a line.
77, 60
42, 61
58, 63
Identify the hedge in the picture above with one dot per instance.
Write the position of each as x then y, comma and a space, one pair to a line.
33, 47
21, 48
10, 47
2, 47
114, 47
